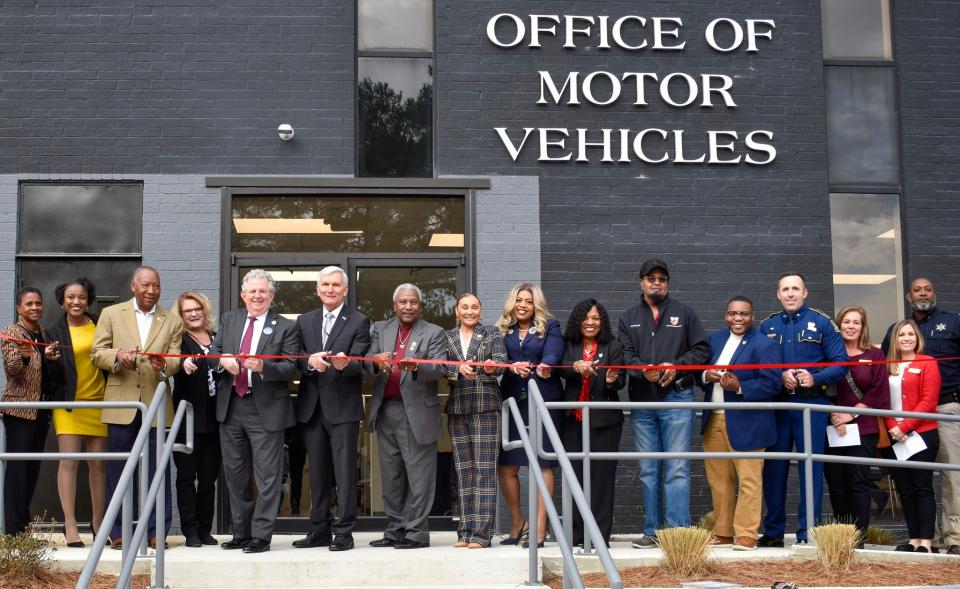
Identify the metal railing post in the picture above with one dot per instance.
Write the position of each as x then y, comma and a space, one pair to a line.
533, 511
3, 475
585, 465
160, 526
566, 504
808, 470
127, 529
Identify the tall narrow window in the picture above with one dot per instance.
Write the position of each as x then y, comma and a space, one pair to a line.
863, 158
395, 72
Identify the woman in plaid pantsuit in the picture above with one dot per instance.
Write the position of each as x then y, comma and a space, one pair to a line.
473, 411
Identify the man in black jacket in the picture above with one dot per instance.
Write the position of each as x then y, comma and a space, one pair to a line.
664, 332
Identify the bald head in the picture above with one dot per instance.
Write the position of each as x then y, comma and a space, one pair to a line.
921, 296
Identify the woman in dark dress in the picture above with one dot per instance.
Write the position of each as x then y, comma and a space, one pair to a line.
196, 383
590, 341
534, 344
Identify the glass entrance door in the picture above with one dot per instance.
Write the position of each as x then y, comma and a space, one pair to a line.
372, 281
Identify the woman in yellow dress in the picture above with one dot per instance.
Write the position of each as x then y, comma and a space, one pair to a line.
79, 380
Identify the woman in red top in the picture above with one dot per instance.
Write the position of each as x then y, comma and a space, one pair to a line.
914, 386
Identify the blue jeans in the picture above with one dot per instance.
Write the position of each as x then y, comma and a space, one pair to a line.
656, 430
775, 472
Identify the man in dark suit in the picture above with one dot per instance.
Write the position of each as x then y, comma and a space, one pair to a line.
738, 511
405, 414
254, 408
330, 407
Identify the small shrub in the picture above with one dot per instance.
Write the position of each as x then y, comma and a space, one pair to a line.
685, 550
880, 536
708, 521
25, 557
836, 544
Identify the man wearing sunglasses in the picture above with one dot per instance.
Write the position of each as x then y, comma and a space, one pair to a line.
662, 332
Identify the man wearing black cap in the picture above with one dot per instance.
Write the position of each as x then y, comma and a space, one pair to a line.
664, 332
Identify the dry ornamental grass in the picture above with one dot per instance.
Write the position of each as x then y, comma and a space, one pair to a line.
685, 550
836, 546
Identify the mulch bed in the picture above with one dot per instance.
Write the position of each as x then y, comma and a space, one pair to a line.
803, 573
68, 580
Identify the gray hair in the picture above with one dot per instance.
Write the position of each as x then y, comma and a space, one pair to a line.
136, 273
333, 270
407, 286
257, 274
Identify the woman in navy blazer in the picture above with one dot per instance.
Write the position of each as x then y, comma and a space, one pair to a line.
534, 344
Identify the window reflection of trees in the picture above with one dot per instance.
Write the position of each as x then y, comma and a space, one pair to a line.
438, 285
386, 224
396, 134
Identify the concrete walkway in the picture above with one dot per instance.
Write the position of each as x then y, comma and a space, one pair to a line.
441, 566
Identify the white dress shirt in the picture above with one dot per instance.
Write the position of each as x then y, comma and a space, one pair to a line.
258, 326
144, 323
726, 355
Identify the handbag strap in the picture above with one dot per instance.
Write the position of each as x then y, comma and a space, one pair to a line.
853, 387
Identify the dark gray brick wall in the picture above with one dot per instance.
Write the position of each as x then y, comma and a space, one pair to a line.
725, 229
927, 47
120, 87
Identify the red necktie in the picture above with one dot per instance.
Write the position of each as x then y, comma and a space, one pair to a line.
240, 384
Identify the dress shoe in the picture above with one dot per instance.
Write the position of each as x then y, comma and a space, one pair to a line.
922, 549
313, 540
77, 544
766, 541
461, 544
256, 546
526, 544
383, 543
116, 543
235, 543
407, 544
475, 545
514, 540
207, 539
745, 544
905, 547
342, 542
716, 540
153, 544
193, 540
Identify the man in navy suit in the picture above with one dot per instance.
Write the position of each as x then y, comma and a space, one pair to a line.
737, 510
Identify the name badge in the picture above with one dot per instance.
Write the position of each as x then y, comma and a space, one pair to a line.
864, 361
914, 370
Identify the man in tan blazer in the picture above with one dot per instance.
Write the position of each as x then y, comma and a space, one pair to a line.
124, 332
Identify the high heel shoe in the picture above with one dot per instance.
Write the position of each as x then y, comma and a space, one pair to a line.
514, 540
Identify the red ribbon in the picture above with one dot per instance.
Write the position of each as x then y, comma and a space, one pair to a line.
684, 367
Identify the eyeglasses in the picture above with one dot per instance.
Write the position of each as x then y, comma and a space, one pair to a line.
735, 314
191, 311
663, 279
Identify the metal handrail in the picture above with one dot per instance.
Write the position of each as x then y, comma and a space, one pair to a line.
537, 412
534, 444
123, 494
44, 456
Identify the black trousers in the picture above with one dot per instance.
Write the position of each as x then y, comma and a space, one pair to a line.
332, 455
915, 487
23, 435
850, 483
603, 473
197, 475
297, 455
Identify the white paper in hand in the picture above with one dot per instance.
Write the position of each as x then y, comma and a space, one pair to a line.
852, 437
910, 446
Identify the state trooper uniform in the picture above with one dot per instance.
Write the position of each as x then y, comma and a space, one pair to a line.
809, 335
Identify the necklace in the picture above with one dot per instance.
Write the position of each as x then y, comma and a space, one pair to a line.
403, 342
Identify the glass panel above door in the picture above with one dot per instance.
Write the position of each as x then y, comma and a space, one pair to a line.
355, 223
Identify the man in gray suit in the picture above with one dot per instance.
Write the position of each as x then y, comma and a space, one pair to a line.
254, 408
405, 414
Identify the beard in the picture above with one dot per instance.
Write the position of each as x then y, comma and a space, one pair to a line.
657, 297
923, 306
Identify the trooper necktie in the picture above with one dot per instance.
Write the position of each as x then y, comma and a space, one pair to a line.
241, 384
